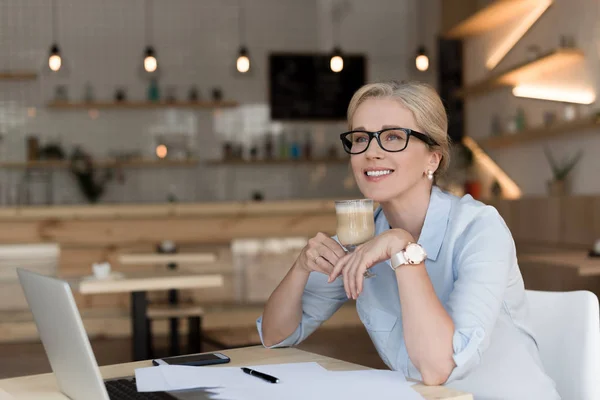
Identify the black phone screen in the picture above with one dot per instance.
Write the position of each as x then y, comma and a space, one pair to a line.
196, 359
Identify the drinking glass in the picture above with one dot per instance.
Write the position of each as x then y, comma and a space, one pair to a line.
355, 224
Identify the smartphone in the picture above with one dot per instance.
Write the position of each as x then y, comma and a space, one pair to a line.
194, 359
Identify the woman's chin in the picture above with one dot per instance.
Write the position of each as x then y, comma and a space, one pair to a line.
379, 196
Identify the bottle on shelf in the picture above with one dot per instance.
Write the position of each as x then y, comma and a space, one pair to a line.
153, 91
307, 145
269, 146
283, 146
294, 147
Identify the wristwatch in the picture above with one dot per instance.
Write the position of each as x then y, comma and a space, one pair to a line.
413, 254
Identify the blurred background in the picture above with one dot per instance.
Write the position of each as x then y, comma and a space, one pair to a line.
211, 127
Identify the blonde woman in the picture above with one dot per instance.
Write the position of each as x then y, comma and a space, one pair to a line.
447, 304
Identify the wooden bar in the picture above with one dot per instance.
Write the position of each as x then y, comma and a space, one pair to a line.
148, 282
190, 258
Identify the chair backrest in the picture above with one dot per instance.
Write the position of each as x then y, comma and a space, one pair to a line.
567, 330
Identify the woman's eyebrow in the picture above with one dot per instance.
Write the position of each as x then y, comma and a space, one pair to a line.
357, 128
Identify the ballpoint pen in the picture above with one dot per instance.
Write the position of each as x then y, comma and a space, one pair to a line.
261, 375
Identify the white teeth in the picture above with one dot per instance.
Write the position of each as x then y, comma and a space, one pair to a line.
379, 173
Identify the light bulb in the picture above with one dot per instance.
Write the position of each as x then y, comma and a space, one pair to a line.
243, 61
150, 61
54, 61
336, 63
243, 64
150, 64
422, 62
161, 151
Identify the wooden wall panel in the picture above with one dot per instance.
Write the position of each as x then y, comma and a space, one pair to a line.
578, 221
184, 230
537, 220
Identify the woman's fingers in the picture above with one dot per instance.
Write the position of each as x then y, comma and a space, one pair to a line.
323, 265
360, 278
352, 268
335, 247
346, 280
338, 268
328, 255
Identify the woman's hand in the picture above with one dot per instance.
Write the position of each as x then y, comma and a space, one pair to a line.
320, 254
353, 265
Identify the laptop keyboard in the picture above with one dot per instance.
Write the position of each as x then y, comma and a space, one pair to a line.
125, 389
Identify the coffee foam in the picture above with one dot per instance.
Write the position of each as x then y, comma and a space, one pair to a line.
354, 207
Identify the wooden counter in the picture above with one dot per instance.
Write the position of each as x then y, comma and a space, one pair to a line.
96, 233
118, 225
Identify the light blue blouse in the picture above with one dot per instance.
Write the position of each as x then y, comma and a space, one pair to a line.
472, 264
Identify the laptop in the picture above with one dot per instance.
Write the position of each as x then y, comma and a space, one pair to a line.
69, 350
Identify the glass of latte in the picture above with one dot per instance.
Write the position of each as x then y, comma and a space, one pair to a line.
355, 224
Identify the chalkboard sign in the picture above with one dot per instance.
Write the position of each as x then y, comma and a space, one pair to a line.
303, 87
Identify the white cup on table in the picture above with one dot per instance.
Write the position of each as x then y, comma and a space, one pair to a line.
101, 270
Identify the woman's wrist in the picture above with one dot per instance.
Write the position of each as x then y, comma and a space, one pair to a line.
398, 240
300, 270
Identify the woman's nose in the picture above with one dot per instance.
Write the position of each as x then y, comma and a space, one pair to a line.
374, 150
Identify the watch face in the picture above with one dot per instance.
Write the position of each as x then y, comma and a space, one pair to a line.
415, 253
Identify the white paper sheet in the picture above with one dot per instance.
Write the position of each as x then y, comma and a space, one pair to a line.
177, 377
349, 385
297, 381
5, 396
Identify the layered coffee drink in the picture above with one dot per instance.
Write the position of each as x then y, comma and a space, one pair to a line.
355, 221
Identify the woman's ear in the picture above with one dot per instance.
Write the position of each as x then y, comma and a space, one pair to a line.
435, 158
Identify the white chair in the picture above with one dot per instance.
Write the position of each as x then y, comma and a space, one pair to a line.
567, 329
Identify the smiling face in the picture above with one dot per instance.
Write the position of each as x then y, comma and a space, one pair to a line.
381, 175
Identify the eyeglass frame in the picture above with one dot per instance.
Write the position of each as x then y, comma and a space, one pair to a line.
409, 132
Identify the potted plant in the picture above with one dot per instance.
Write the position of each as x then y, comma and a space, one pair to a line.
472, 185
558, 186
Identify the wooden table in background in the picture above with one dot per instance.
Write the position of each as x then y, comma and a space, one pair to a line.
43, 387
576, 260
138, 284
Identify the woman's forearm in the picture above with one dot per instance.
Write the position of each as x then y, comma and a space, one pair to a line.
428, 329
283, 311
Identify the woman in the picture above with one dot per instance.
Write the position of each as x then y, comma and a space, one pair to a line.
447, 305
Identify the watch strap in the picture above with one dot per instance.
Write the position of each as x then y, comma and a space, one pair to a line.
398, 260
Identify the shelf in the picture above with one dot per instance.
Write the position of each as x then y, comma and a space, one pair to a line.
527, 71
492, 16
137, 105
541, 133
279, 162
17, 76
58, 164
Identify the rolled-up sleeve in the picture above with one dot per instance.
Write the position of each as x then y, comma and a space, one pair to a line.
483, 261
320, 301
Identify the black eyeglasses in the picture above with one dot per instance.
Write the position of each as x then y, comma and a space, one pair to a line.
392, 140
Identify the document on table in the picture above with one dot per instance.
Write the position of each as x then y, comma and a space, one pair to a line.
296, 381
5, 396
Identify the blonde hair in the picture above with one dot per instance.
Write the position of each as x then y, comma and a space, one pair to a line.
422, 101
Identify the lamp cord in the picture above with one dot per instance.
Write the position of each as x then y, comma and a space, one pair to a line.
241, 24
54, 22
148, 22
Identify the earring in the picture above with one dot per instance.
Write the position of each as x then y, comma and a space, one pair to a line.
430, 174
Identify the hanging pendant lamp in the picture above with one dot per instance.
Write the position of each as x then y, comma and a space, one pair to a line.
242, 63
